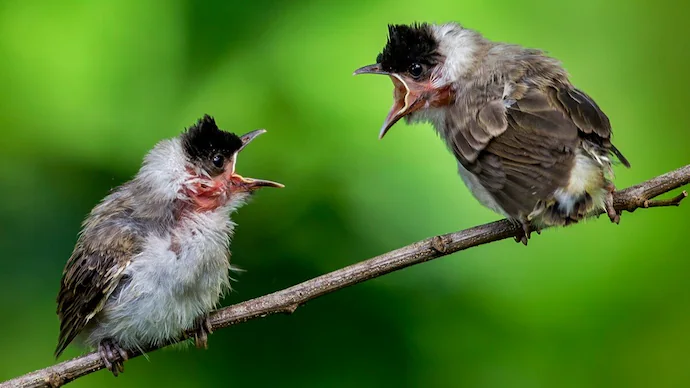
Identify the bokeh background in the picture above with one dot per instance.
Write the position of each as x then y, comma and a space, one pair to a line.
90, 86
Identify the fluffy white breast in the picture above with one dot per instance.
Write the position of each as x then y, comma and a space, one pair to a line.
177, 278
182, 270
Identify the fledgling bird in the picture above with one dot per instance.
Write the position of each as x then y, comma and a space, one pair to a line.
152, 259
529, 145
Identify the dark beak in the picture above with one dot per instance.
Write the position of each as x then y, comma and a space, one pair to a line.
248, 137
406, 98
249, 184
371, 69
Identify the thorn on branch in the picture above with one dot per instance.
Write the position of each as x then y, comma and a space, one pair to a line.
675, 201
438, 244
290, 309
53, 380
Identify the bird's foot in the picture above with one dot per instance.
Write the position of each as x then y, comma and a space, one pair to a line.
113, 356
614, 216
201, 331
524, 235
581, 208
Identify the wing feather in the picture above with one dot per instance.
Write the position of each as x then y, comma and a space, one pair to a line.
522, 147
94, 270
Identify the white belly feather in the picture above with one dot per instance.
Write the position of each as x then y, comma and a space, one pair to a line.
176, 279
587, 176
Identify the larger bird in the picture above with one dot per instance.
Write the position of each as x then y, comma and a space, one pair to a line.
152, 258
529, 145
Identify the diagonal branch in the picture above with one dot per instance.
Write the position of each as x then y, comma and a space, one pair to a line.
288, 300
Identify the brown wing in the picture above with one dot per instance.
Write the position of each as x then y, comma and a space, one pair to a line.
92, 273
522, 147
593, 124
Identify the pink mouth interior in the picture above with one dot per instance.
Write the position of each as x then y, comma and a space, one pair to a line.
399, 95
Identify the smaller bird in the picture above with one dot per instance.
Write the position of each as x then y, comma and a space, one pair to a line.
529, 145
152, 258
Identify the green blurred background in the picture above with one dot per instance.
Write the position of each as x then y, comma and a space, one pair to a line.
90, 86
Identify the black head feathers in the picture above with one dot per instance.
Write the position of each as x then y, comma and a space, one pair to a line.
407, 45
204, 141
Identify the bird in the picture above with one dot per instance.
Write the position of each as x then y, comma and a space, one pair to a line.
529, 145
152, 258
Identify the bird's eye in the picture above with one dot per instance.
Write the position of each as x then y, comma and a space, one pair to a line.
416, 70
218, 160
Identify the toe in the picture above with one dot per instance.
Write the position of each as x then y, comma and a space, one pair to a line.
201, 341
109, 353
123, 354
113, 357
108, 364
208, 326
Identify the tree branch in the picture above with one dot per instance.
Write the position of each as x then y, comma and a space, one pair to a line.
288, 300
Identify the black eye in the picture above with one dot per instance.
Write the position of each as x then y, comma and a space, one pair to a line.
218, 160
416, 70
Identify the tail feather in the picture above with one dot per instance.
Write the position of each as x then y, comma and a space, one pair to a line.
620, 156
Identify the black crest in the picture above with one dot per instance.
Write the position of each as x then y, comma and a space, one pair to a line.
407, 45
205, 140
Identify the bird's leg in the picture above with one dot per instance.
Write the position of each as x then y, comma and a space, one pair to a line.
582, 207
526, 232
201, 331
608, 203
113, 356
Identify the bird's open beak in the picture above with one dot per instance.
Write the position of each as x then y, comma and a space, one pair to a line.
248, 184
408, 96
251, 184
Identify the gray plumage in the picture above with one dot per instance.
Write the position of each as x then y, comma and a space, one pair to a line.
152, 258
529, 145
